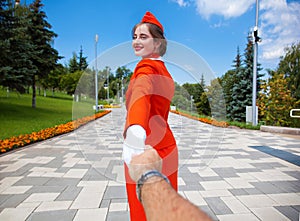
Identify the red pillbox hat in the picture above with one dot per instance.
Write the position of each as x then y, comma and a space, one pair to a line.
150, 18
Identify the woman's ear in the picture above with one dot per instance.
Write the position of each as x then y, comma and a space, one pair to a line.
157, 44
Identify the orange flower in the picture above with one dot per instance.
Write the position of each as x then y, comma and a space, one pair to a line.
22, 140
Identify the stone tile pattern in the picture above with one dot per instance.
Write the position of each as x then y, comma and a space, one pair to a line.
79, 176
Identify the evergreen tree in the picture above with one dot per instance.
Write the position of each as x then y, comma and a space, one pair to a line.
78, 63
82, 63
16, 50
45, 57
242, 89
228, 81
73, 64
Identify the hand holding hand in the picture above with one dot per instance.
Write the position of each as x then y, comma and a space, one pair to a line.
148, 160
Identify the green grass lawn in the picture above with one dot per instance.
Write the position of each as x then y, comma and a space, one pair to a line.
18, 117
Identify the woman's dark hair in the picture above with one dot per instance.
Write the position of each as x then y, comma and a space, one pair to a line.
157, 35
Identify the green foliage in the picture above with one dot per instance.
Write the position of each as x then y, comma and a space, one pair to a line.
70, 81
26, 48
276, 101
238, 87
244, 125
289, 65
216, 100
77, 63
16, 50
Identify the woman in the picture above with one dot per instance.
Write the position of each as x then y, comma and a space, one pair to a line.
148, 100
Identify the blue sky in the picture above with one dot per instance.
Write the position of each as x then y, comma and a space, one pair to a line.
212, 29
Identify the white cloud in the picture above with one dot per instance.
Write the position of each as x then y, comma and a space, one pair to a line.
181, 3
280, 22
226, 8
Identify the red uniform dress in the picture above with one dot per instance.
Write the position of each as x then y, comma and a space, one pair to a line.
148, 100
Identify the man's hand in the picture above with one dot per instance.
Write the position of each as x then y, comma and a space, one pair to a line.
148, 160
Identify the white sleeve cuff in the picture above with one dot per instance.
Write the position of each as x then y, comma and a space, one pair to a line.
137, 131
134, 143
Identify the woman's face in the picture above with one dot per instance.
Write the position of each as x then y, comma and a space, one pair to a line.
143, 42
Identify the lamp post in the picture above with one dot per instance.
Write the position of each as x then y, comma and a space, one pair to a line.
191, 103
122, 91
256, 39
107, 71
96, 74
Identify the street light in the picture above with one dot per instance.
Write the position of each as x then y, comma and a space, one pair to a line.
96, 74
256, 39
192, 103
107, 71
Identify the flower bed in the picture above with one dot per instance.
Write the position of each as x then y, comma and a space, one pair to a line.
22, 140
204, 120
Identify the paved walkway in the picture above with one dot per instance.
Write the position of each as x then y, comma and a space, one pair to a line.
231, 174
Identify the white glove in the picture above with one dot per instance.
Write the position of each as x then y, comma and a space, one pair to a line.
134, 143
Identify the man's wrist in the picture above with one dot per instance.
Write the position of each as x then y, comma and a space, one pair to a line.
147, 177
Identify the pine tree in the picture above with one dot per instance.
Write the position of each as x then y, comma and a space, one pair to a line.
73, 64
82, 63
228, 81
16, 50
242, 89
45, 56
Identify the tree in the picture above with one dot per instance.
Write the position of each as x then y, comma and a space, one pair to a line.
216, 100
73, 64
16, 49
123, 72
70, 81
77, 63
289, 65
276, 100
82, 63
52, 80
242, 89
45, 56
228, 81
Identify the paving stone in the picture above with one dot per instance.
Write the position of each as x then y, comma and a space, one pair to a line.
118, 216
208, 211
46, 189
31, 181
69, 193
253, 191
218, 170
238, 192
12, 201
62, 181
105, 203
59, 215
218, 206
289, 212
267, 187
226, 172
113, 192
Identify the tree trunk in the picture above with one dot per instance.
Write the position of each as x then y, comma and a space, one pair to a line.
33, 92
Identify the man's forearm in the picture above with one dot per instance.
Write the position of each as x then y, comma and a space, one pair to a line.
161, 202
